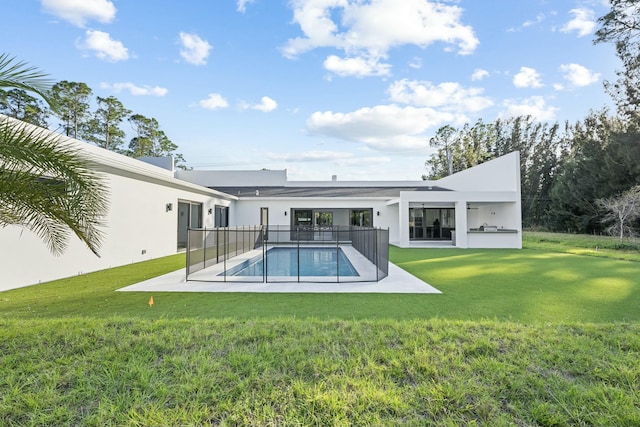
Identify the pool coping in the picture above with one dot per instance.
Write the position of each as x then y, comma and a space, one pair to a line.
398, 281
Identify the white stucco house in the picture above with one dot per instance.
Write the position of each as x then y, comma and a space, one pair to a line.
151, 207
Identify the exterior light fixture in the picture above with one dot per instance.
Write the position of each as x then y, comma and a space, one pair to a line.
169, 207
378, 213
285, 213
210, 211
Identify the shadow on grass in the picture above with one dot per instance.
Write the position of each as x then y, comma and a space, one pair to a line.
528, 285
516, 285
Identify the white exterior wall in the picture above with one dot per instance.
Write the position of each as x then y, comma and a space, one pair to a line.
501, 174
247, 211
137, 221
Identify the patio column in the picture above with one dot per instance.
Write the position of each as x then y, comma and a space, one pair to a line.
461, 224
403, 221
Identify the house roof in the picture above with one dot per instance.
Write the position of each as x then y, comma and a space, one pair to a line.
334, 191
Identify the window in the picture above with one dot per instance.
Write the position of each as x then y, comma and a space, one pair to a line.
221, 218
323, 219
360, 217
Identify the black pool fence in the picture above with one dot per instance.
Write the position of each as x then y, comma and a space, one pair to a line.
239, 254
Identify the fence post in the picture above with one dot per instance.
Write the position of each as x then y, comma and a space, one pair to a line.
265, 265
225, 244
217, 245
298, 252
376, 256
188, 257
338, 256
204, 248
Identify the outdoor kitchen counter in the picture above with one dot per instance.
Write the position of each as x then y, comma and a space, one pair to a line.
498, 231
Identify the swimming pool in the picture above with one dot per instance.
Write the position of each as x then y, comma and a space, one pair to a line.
314, 261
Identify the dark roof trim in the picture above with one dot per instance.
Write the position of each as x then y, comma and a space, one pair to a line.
322, 191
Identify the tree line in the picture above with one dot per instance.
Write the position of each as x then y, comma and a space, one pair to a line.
565, 169
71, 102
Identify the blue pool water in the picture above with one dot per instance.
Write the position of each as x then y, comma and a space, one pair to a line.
284, 262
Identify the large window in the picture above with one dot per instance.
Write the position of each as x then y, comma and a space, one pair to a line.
431, 223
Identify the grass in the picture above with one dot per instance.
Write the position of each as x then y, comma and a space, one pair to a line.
581, 244
96, 372
539, 336
528, 286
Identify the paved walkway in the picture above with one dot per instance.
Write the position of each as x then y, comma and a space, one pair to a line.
397, 282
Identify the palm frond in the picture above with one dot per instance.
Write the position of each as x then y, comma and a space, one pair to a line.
20, 75
49, 187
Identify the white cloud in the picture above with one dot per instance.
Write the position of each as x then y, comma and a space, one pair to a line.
78, 12
383, 127
449, 96
104, 46
415, 63
535, 106
529, 23
311, 156
578, 75
194, 49
527, 77
479, 74
266, 105
340, 158
358, 67
368, 30
242, 5
214, 101
584, 22
539, 18
358, 161
134, 90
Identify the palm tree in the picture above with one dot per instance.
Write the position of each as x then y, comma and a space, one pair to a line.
46, 186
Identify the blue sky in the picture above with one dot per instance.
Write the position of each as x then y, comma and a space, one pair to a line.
352, 88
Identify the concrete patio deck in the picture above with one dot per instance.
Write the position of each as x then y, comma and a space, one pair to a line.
398, 281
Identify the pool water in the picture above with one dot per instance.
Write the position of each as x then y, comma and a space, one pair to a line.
284, 262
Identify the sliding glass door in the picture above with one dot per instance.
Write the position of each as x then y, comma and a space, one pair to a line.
189, 216
431, 223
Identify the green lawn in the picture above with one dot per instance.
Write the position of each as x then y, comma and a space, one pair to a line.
529, 285
547, 335
293, 372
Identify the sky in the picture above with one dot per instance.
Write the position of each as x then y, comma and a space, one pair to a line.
353, 88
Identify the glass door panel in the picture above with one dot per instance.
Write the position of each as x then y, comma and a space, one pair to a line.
431, 223
183, 224
189, 216
323, 222
360, 217
302, 224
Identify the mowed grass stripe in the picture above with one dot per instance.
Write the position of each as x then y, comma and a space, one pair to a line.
311, 372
